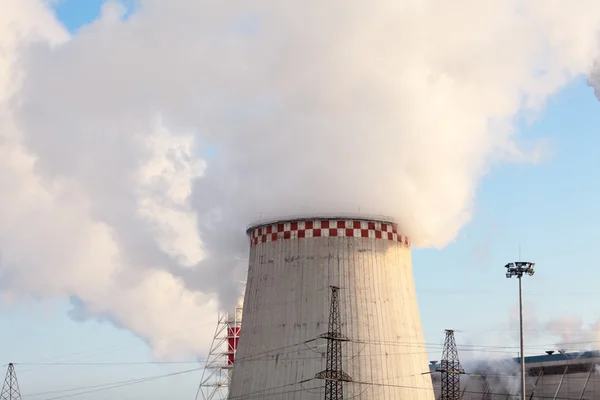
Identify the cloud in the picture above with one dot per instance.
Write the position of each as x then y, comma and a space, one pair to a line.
394, 108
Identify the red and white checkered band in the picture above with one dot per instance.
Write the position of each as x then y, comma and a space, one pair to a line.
326, 228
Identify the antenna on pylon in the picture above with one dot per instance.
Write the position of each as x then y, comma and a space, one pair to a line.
334, 375
10, 389
450, 369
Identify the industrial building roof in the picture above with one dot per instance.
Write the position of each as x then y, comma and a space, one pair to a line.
558, 357
547, 358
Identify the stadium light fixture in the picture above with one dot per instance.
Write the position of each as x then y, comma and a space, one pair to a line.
518, 269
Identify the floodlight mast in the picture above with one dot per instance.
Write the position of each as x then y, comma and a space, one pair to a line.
518, 269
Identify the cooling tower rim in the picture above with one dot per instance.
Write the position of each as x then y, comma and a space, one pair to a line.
333, 216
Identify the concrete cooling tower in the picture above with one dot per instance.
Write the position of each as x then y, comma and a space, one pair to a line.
283, 342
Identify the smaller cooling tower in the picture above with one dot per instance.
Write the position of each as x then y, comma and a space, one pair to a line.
292, 265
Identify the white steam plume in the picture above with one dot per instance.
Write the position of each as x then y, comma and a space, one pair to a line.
135, 152
574, 334
494, 376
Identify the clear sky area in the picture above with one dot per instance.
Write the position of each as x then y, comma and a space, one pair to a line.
63, 340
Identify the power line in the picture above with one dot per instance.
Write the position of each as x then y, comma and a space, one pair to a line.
108, 386
117, 347
433, 346
333, 374
267, 355
469, 292
263, 391
450, 368
113, 363
465, 391
264, 354
87, 387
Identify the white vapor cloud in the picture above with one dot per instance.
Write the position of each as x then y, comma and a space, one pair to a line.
573, 333
134, 153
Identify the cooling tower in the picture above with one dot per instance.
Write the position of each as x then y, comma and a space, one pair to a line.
292, 265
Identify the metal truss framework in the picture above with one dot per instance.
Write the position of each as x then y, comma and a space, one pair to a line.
218, 369
10, 388
334, 375
450, 368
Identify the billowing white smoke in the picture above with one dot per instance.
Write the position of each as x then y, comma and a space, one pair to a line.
573, 334
134, 153
594, 79
499, 378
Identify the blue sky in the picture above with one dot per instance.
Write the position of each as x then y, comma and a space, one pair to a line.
549, 210
74, 13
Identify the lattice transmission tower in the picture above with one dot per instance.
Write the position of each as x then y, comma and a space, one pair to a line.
333, 374
450, 369
10, 389
216, 376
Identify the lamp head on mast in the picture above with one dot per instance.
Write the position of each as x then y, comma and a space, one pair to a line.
519, 268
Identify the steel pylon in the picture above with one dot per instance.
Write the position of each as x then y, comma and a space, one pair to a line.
333, 374
450, 369
10, 389
216, 376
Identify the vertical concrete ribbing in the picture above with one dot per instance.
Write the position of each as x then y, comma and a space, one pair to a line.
287, 304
